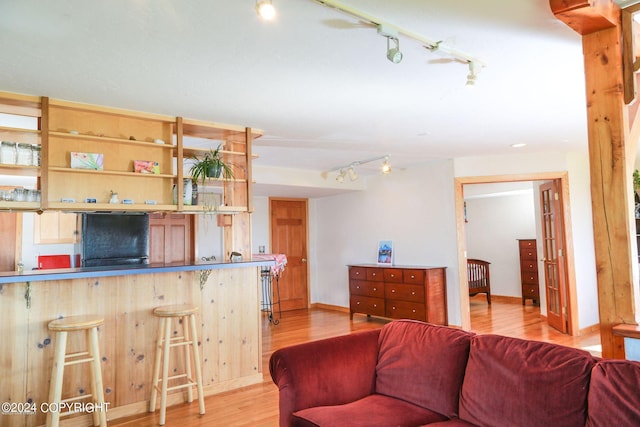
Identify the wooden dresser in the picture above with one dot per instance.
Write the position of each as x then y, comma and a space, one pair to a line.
529, 270
399, 292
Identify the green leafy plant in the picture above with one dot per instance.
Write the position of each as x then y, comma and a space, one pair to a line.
210, 165
636, 180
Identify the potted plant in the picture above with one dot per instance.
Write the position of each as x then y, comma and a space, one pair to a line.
210, 165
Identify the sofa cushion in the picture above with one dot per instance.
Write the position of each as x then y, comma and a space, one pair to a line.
614, 394
514, 382
372, 411
422, 364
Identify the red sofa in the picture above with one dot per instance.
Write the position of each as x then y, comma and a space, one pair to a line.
411, 373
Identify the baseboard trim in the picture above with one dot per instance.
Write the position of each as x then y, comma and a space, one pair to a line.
330, 307
589, 329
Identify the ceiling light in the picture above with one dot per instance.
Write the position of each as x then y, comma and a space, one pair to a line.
352, 174
386, 167
265, 9
518, 145
340, 178
393, 53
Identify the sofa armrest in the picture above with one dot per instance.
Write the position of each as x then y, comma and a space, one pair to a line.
326, 372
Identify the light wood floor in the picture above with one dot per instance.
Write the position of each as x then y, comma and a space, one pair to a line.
257, 405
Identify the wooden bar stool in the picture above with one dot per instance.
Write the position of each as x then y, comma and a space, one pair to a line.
189, 341
62, 327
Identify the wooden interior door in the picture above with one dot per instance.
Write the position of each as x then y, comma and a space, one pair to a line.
289, 237
10, 236
553, 256
170, 238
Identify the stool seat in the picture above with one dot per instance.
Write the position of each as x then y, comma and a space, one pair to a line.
177, 310
75, 323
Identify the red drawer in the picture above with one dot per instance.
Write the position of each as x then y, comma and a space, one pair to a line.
414, 276
375, 274
404, 292
393, 275
406, 310
529, 265
529, 278
531, 291
368, 305
362, 287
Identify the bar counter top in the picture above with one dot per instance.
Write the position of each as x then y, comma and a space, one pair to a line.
121, 270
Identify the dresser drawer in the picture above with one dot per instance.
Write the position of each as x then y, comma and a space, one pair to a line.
527, 244
393, 275
358, 273
375, 274
404, 292
528, 266
529, 278
368, 305
406, 310
414, 276
531, 291
363, 287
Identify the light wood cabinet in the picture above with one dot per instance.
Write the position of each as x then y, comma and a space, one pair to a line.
54, 227
399, 292
529, 270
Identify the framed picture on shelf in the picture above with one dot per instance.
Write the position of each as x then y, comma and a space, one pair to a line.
385, 252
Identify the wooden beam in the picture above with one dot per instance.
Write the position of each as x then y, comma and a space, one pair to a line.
586, 16
600, 27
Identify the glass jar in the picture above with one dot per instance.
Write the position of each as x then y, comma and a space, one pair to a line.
25, 155
8, 153
36, 153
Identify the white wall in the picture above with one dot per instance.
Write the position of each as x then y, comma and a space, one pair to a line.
495, 224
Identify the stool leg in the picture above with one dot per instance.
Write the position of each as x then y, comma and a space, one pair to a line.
156, 366
55, 389
97, 388
165, 370
196, 358
187, 356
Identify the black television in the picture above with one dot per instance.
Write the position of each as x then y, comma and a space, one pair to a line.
115, 239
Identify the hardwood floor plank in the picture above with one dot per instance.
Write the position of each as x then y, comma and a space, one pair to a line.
257, 405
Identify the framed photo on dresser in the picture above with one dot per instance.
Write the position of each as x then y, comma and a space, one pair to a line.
385, 252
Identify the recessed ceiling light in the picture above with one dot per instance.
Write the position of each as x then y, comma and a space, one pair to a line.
518, 145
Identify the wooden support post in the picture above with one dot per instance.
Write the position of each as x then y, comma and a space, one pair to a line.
600, 26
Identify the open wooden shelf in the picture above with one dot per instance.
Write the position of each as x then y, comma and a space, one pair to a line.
28, 136
110, 207
107, 139
106, 172
19, 170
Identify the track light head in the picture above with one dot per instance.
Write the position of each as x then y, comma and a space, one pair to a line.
352, 174
265, 9
340, 177
393, 53
471, 78
386, 167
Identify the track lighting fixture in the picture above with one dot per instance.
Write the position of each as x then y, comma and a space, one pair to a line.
393, 53
265, 9
350, 168
392, 32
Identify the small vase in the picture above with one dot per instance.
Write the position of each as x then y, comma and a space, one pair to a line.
214, 171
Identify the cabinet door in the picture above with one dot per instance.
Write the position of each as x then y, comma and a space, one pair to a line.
55, 227
170, 239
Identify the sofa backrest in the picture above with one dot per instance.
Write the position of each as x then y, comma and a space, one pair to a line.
515, 382
422, 364
614, 394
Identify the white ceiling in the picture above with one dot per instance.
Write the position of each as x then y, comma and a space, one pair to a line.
316, 80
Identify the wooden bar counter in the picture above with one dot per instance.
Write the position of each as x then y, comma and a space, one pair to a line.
228, 321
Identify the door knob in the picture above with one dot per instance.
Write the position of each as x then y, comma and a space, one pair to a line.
304, 260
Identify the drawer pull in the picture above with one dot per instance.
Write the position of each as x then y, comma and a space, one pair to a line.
357, 273
393, 308
414, 310
413, 276
413, 292
393, 291
375, 289
375, 305
357, 286
374, 274
358, 303
393, 275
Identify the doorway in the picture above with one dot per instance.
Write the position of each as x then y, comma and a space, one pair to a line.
562, 181
289, 235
